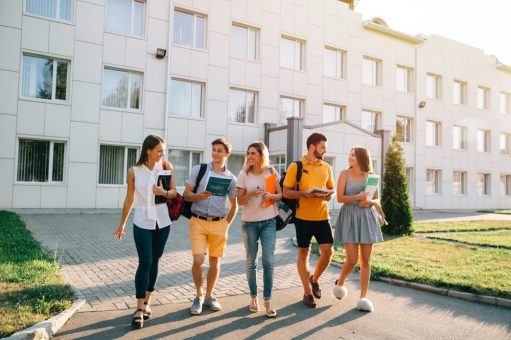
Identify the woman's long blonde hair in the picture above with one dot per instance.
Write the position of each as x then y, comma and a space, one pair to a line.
263, 151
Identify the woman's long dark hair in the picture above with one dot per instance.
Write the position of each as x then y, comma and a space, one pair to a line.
150, 142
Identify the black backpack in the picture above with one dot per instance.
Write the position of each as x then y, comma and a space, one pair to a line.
187, 206
287, 206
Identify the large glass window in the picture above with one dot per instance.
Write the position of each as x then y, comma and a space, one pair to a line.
289, 107
459, 183
279, 163
242, 106
483, 140
56, 9
243, 42
371, 120
505, 106
189, 29
125, 17
403, 79
459, 137
371, 71
433, 133
182, 162
292, 53
433, 86
40, 161
404, 129
433, 181
114, 162
505, 144
122, 89
505, 185
483, 97
44, 78
187, 98
483, 184
333, 113
459, 92
333, 63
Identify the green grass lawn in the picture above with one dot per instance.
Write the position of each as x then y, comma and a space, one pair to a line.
498, 239
31, 288
452, 226
466, 268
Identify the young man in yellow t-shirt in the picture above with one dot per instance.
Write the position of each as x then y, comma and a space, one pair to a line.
312, 217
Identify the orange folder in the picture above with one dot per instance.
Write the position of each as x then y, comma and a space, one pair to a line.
271, 182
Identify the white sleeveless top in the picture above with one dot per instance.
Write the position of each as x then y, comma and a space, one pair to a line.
147, 214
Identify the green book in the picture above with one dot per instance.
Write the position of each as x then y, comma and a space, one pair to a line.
218, 185
372, 184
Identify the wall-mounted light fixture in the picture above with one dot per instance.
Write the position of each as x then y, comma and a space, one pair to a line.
422, 104
160, 53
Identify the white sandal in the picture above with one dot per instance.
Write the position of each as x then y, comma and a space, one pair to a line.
254, 305
270, 311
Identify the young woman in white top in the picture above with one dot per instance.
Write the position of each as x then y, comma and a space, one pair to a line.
151, 222
258, 221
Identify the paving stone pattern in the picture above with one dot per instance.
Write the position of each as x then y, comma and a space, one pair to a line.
102, 269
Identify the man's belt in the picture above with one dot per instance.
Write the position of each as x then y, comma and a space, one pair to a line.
207, 218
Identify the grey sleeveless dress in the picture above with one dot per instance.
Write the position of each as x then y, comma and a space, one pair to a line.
356, 224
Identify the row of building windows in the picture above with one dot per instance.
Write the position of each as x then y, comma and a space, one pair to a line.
459, 183
190, 30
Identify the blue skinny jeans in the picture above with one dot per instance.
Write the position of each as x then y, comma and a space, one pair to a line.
265, 232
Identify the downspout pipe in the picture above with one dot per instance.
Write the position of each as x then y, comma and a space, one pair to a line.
167, 85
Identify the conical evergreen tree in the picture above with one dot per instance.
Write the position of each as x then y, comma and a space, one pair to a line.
395, 200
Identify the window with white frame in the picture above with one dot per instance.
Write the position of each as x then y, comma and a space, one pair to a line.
244, 42
187, 98
333, 113
289, 107
333, 63
409, 177
114, 162
433, 181
292, 53
40, 161
371, 120
55, 9
459, 137
122, 89
404, 129
125, 17
44, 78
433, 133
242, 106
483, 140
483, 184
403, 79
483, 97
505, 105
433, 86
182, 162
459, 183
235, 163
459, 92
505, 144
278, 162
505, 185
189, 29
371, 71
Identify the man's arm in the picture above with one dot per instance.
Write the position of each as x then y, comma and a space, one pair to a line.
232, 210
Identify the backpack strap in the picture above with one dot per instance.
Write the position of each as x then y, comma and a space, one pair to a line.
299, 170
202, 171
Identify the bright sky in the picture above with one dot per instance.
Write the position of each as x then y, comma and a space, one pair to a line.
485, 24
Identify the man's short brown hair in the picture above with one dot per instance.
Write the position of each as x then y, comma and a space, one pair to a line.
224, 142
315, 139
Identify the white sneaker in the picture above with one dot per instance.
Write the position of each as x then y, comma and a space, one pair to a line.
365, 305
196, 308
339, 292
213, 304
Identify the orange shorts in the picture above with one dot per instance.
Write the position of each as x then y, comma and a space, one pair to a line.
208, 236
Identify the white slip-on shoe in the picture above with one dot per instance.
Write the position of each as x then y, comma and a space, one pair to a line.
365, 305
339, 292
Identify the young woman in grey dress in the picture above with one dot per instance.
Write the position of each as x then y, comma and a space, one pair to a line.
357, 226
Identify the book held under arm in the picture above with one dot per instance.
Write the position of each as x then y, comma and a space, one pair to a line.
372, 184
164, 177
218, 185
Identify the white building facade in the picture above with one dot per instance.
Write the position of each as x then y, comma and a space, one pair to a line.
82, 82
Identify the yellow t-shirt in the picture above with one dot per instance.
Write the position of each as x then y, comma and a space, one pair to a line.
318, 175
